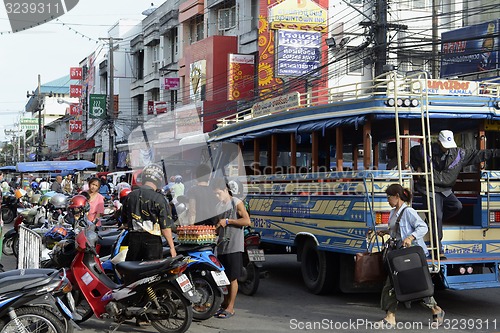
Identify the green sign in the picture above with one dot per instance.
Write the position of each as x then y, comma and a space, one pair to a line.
97, 106
29, 124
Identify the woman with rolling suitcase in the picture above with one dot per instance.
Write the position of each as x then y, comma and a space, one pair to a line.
407, 228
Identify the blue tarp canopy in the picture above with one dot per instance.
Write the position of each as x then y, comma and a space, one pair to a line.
8, 168
54, 166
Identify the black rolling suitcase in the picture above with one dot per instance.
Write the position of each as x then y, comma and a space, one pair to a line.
409, 274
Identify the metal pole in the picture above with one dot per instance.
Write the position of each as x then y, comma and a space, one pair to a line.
381, 38
435, 40
111, 107
24, 143
39, 106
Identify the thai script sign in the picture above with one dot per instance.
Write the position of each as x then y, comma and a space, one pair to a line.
303, 15
276, 104
75, 90
298, 52
241, 76
75, 73
29, 124
452, 87
470, 49
75, 126
171, 83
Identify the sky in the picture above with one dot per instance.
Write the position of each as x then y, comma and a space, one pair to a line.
52, 48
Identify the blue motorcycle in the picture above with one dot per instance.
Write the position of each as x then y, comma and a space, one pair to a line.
204, 270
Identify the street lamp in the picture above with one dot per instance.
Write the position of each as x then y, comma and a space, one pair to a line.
39, 107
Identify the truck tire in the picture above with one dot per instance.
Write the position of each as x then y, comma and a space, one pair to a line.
317, 270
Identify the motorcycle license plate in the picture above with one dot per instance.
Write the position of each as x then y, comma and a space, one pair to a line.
184, 283
220, 278
256, 255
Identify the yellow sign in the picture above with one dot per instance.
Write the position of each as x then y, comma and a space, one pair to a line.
298, 15
492, 125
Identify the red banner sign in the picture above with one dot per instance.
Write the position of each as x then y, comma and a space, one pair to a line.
151, 107
75, 73
75, 90
157, 107
75, 110
75, 126
241, 76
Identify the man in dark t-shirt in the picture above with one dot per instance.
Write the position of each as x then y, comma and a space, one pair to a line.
202, 200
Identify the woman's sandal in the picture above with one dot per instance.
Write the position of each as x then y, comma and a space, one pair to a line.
438, 318
384, 324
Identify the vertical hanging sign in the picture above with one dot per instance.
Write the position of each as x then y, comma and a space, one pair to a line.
75, 126
97, 106
75, 73
241, 76
75, 90
75, 110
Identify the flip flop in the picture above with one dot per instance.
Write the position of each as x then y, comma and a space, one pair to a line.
384, 324
219, 311
224, 315
438, 318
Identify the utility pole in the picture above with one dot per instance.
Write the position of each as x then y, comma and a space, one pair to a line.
381, 30
381, 37
435, 38
39, 107
111, 104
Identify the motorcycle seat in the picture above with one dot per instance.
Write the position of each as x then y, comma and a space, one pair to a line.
184, 248
135, 270
24, 279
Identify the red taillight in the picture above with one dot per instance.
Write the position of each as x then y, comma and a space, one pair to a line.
252, 240
382, 217
215, 261
178, 270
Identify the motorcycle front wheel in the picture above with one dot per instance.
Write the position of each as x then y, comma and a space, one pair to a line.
34, 319
176, 313
7, 215
249, 282
211, 298
7, 248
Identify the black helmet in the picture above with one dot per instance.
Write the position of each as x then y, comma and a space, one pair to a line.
63, 253
153, 173
123, 178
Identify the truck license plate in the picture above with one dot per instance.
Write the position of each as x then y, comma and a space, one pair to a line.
184, 283
256, 255
220, 278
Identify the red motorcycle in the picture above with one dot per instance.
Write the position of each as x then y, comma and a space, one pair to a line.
154, 290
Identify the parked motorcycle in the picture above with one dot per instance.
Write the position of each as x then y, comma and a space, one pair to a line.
32, 299
9, 207
31, 218
157, 290
208, 277
248, 283
204, 270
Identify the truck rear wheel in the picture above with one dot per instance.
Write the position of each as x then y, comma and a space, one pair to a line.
317, 270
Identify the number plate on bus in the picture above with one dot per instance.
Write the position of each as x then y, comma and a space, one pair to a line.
184, 283
256, 255
220, 278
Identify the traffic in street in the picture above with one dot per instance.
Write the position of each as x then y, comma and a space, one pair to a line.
282, 304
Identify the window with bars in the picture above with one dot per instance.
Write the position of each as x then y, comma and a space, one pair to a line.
196, 29
226, 18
